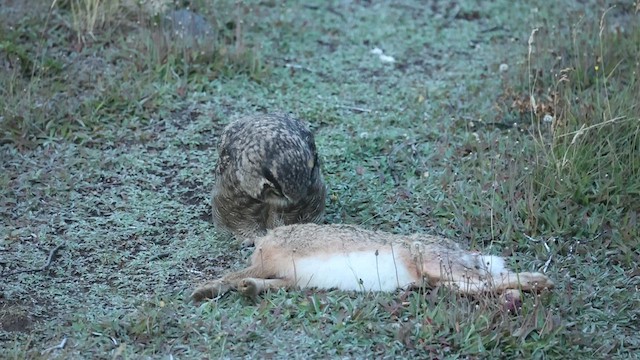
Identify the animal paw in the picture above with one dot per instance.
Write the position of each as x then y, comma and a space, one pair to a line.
248, 287
209, 290
535, 281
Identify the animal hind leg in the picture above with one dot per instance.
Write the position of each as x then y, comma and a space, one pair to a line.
527, 281
230, 281
474, 273
251, 287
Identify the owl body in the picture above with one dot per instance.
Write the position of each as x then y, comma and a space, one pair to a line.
267, 175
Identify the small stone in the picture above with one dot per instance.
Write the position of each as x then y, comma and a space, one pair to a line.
387, 58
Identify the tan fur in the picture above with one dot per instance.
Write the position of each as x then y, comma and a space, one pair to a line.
428, 260
267, 175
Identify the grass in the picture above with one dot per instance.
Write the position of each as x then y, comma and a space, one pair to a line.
515, 142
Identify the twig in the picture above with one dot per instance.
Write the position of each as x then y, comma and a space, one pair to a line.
353, 108
329, 9
113, 340
494, 28
159, 256
337, 13
299, 67
52, 253
59, 346
547, 263
586, 128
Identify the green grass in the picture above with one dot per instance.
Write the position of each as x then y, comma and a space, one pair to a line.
108, 146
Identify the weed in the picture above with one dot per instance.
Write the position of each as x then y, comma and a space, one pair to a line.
587, 152
91, 15
137, 46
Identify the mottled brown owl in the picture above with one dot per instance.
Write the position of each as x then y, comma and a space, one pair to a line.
268, 175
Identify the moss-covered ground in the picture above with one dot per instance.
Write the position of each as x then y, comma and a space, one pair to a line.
511, 126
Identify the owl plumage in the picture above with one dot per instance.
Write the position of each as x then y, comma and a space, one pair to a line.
267, 175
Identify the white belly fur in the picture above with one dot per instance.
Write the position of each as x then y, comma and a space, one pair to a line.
360, 271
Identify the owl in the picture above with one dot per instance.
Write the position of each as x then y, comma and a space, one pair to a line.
268, 174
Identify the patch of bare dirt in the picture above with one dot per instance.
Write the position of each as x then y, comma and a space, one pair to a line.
14, 317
